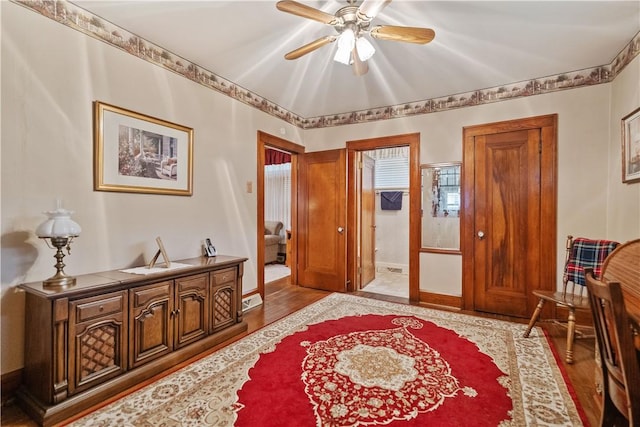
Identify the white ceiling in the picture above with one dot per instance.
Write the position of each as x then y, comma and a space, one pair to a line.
478, 44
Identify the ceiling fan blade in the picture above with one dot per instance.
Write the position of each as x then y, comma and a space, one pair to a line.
359, 67
310, 47
403, 34
370, 8
305, 11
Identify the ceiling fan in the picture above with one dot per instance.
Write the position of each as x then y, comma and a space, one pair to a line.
351, 23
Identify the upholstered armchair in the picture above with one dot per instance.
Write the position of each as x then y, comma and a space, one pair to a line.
169, 167
271, 240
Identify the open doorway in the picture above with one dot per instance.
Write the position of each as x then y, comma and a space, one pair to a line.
277, 214
384, 209
277, 209
386, 241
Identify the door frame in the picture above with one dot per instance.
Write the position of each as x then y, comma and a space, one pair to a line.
548, 188
413, 141
265, 141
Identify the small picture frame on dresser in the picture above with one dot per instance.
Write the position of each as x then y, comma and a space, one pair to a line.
161, 250
209, 249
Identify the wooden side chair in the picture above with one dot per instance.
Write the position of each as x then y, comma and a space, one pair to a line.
581, 253
619, 358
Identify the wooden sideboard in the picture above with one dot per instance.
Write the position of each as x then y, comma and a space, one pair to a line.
113, 330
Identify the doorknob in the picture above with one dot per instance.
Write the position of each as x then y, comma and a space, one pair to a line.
480, 234
340, 230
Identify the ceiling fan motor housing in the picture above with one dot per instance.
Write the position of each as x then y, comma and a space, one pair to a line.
348, 17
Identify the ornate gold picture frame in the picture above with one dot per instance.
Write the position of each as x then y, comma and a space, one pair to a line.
631, 147
136, 153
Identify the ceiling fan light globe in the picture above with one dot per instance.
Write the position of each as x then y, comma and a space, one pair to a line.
365, 49
347, 39
343, 56
346, 42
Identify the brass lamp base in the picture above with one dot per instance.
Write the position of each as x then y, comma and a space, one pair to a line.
60, 279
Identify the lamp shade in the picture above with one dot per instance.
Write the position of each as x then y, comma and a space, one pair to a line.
59, 224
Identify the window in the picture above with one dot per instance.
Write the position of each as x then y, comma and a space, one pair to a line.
277, 194
392, 167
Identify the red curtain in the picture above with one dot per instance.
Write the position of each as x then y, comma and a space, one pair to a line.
275, 157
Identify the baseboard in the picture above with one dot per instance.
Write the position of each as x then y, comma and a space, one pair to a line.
441, 300
9, 383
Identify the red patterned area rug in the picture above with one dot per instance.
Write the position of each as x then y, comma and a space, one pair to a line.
353, 361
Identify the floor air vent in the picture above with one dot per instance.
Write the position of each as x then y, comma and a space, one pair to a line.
251, 301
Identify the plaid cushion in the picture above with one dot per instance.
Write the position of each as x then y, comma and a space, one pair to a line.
586, 253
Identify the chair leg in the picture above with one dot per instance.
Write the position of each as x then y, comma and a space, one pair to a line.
571, 330
534, 318
611, 416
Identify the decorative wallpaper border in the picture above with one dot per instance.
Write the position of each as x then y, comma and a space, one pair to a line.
94, 26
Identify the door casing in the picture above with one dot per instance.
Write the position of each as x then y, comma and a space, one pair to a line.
266, 140
412, 140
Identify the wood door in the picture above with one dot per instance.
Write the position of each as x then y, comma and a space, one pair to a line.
509, 223
367, 221
192, 309
507, 197
322, 220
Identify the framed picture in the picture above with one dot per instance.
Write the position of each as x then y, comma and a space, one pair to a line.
631, 147
161, 251
136, 153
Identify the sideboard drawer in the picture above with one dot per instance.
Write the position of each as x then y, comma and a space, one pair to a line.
101, 307
224, 276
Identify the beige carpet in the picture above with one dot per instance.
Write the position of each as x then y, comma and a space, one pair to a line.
273, 272
204, 393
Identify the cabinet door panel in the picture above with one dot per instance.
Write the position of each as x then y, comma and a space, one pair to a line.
151, 327
192, 300
97, 340
223, 298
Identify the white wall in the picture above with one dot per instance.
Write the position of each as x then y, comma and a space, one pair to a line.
51, 74
392, 234
623, 202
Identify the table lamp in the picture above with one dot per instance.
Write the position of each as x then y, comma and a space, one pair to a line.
61, 229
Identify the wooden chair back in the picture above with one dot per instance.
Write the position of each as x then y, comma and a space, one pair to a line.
584, 253
619, 358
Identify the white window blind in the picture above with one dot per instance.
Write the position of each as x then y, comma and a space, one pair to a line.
392, 172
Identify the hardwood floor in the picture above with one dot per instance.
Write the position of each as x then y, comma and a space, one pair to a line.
282, 299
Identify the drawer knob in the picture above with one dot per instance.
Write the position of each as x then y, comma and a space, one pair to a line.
101, 308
